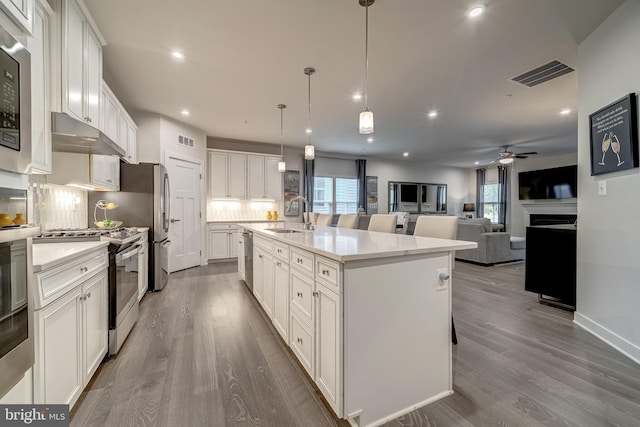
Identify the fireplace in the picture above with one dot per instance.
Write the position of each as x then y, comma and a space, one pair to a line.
551, 219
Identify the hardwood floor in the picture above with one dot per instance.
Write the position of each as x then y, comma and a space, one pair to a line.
203, 354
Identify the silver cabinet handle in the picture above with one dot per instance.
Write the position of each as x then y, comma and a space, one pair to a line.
83, 298
300, 340
259, 256
174, 220
325, 272
84, 269
299, 260
315, 294
299, 294
278, 263
88, 295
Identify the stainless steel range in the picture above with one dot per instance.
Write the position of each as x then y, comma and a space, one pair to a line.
124, 247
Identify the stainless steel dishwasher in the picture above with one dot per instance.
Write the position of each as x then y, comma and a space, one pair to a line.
247, 236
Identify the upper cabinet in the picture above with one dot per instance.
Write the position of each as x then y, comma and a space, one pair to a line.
264, 181
40, 88
81, 64
21, 12
116, 123
227, 175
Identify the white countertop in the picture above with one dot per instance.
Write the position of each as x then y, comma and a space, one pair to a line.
344, 245
47, 255
238, 221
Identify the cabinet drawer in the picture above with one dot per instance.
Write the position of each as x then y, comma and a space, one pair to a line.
263, 243
223, 226
55, 282
302, 259
329, 271
302, 295
281, 250
302, 344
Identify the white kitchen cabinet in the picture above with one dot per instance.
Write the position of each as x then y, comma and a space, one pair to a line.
268, 283
263, 181
281, 297
110, 114
18, 276
81, 65
132, 144
21, 12
105, 171
258, 272
21, 393
40, 91
329, 345
241, 261
143, 268
94, 323
227, 175
222, 241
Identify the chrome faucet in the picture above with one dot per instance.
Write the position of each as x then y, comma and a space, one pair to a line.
306, 225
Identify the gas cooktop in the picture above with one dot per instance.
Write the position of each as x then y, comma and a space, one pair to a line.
114, 235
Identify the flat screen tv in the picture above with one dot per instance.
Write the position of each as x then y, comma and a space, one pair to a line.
555, 183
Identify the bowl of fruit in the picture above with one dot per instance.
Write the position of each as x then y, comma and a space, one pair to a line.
106, 222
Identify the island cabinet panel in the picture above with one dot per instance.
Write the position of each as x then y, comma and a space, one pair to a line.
281, 298
329, 345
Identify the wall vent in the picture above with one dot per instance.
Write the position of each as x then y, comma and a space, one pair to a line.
185, 140
542, 74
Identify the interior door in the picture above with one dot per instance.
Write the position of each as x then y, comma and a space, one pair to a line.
185, 218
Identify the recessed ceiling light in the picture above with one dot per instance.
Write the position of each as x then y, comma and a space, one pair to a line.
476, 11
406, 154
308, 130
369, 140
357, 97
476, 163
433, 114
566, 111
185, 112
175, 54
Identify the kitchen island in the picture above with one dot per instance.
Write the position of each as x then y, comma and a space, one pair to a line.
367, 314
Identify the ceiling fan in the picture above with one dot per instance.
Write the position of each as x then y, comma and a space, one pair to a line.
506, 156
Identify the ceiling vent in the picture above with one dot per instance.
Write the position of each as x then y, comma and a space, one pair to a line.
185, 141
542, 74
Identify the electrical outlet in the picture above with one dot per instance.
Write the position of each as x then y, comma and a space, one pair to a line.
442, 279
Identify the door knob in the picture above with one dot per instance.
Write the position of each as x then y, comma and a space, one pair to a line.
175, 220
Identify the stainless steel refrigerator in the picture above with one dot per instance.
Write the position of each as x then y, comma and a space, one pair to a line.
144, 200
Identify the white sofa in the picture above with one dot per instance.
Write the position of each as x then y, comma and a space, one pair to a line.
493, 246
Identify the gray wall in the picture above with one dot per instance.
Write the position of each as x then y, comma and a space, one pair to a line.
608, 294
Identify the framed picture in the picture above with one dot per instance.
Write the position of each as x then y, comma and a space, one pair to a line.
614, 136
291, 190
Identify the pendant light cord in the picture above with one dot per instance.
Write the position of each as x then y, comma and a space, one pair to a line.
366, 56
309, 116
281, 134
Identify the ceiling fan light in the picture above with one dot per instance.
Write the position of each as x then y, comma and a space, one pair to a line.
309, 152
506, 160
366, 122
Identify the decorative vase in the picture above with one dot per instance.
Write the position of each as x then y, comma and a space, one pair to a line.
274, 215
5, 220
269, 215
19, 219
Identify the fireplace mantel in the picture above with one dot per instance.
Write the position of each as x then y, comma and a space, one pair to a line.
568, 207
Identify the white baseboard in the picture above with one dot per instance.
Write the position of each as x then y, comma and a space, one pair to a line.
621, 344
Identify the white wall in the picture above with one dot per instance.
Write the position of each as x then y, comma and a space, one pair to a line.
457, 180
608, 293
517, 221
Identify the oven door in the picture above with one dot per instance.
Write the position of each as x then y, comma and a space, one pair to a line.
126, 281
16, 339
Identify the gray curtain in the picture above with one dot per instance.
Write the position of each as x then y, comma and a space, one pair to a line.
480, 179
308, 172
503, 177
361, 166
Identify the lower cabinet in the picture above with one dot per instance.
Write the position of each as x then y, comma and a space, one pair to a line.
281, 298
329, 345
71, 335
223, 241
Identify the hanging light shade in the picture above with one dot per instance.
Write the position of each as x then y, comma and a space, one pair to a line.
282, 166
309, 149
366, 117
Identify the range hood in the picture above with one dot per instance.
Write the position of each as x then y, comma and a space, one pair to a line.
70, 135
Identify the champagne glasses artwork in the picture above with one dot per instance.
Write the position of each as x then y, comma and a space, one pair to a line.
615, 147
606, 142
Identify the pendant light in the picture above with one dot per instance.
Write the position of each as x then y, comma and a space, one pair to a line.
309, 150
282, 166
366, 117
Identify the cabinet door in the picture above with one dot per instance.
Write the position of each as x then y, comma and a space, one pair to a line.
113, 172
233, 242
218, 244
255, 180
59, 369
217, 174
267, 284
74, 60
21, 11
143, 270
329, 346
132, 146
18, 276
281, 299
99, 170
93, 77
237, 180
258, 272
111, 115
273, 179
241, 266
40, 114
95, 322
122, 130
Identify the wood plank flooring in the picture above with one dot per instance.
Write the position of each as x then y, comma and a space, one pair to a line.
204, 354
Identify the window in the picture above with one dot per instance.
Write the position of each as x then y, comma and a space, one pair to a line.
490, 201
335, 195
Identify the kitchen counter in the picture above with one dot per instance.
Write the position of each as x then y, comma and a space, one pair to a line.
47, 255
241, 221
345, 245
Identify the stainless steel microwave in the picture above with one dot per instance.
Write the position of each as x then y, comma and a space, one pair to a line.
15, 105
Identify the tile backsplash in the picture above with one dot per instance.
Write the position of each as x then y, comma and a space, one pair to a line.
57, 206
240, 209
